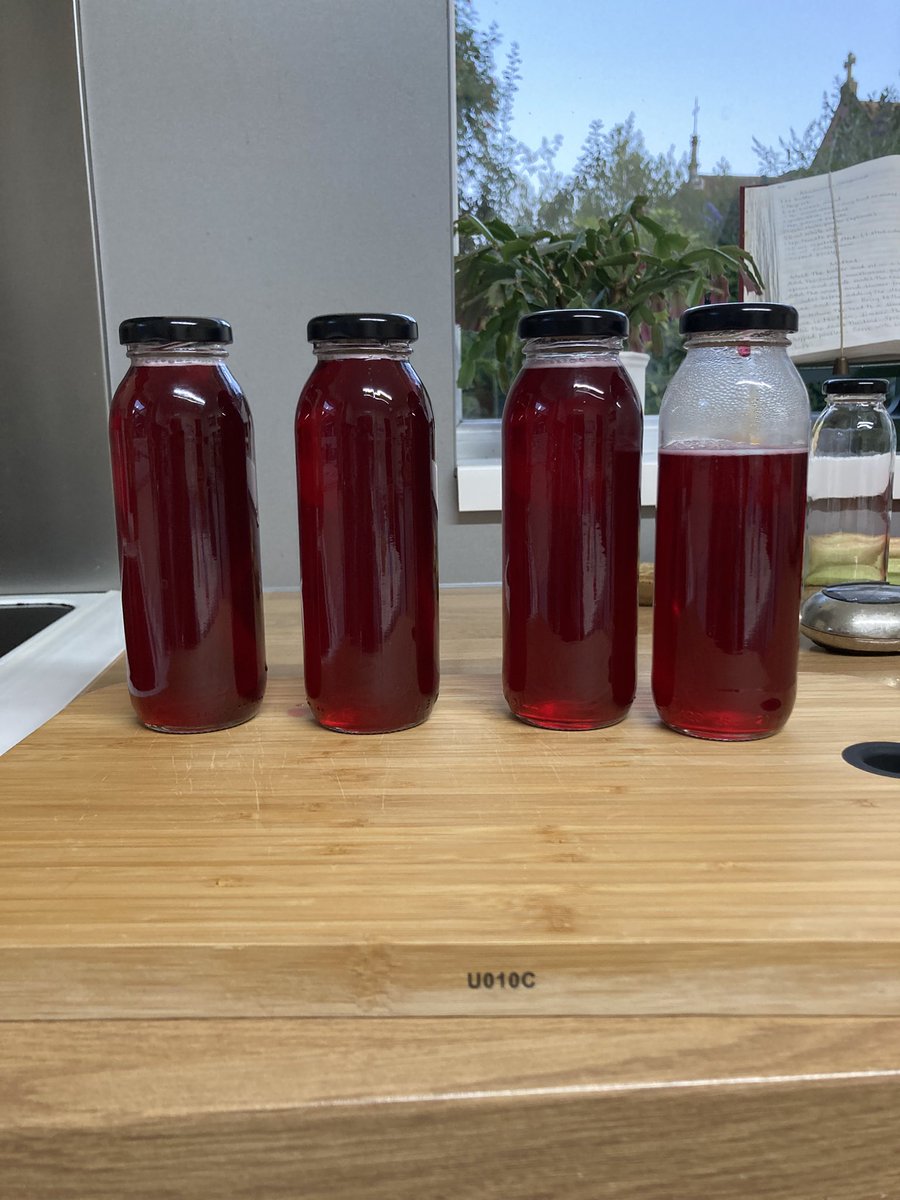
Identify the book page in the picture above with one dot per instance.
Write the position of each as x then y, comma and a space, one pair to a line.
789, 229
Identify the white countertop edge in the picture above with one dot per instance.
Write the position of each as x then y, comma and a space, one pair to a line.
40, 677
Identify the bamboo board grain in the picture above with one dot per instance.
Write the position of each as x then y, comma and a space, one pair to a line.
278, 869
534, 1109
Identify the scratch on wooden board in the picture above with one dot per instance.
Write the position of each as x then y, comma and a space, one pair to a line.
386, 778
505, 767
255, 767
609, 1089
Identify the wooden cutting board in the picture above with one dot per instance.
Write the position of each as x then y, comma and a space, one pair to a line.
474, 865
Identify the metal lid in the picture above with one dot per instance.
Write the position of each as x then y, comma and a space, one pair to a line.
858, 618
362, 327
172, 330
574, 322
731, 318
845, 385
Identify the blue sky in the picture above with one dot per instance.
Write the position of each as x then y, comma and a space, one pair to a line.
757, 68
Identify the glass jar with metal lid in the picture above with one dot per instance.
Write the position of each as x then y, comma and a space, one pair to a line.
733, 439
571, 517
185, 489
851, 469
368, 526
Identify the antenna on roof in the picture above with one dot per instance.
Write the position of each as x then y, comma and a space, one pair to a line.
693, 166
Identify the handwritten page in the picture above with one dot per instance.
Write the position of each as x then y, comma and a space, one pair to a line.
789, 229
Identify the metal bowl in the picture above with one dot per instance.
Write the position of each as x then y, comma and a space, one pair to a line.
858, 618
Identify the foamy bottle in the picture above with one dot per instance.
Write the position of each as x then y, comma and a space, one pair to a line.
731, 500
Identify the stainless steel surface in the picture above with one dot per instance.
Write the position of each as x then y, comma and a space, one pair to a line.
862, 618
56, 530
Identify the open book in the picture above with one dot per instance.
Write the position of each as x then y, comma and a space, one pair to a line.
798, 232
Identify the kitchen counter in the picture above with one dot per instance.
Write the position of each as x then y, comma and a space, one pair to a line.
699, 944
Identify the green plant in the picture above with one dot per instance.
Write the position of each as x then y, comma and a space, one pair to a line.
628, 262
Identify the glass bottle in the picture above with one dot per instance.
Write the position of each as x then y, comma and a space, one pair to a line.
733, 438
851, 471
368, 527
185, 490
571, 516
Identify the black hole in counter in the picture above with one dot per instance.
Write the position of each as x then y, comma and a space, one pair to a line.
880, 758
19, 622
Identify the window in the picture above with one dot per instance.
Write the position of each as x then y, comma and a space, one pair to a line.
561, 124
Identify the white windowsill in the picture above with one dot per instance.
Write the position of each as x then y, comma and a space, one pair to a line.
479, 473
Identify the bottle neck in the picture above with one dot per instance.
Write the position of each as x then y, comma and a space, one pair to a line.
176, 353
856, 401
739, 337
327, 351
556, 349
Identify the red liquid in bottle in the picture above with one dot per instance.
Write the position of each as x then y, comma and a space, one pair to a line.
729, 557
571, 513
368, 545
184, 485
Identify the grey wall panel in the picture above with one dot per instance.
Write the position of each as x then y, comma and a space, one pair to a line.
265, 160
56, 530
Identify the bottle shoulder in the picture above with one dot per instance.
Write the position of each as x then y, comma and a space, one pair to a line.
852, 429
543, 390
186, 392
379, 387
848, 415
736, 394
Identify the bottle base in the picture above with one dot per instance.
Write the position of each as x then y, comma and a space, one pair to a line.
200, 728
722, 735
352, 732
564, 726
